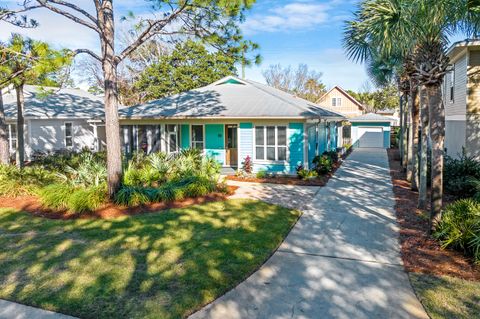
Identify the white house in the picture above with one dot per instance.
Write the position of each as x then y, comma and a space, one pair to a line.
56, 119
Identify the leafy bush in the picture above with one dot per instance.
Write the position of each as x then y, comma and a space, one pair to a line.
459, 227
193, 186
333, 155
323, 164
74, 199
88, 171
261, 174
306, 174
134, 195
458, 174
19, 182
59, 160
157, 168
476, 187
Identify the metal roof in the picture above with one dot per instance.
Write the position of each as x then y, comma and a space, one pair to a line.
230, 97
51, 103
370, 117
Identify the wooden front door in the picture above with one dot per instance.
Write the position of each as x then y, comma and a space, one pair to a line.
231, 145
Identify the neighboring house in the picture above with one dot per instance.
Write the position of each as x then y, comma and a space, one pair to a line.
392, 114
338, 100
56, 119
371, 130
232, 119
461, 92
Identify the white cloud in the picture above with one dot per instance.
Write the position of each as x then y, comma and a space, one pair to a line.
299, 15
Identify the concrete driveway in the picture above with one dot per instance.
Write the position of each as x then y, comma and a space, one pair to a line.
341, 260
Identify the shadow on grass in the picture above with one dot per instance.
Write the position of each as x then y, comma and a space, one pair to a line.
163, 265
447, 297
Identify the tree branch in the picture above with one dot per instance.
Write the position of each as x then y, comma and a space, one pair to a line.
153, 28
45, 4
89, 52
76, 8
10, 16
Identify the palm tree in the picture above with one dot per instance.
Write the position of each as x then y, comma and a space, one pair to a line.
423, 164
28, 60
417, 29
383, 71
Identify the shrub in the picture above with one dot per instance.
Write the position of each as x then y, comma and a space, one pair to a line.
306, 174
323, 164
458, 173
459, 227
73, 199
261, 174
87, 199
333, 155
88, 171
19, 182
59, 160
134, 195
476, 188
132, 176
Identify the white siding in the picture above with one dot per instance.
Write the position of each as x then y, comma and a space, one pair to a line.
454, 137
49, 135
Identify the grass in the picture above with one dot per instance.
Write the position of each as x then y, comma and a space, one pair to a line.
163, 265
447, 297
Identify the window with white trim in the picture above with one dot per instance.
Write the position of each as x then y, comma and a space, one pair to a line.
451, 81
336, 101
12, 136
197, 137
68, 134
270, 143
172, 133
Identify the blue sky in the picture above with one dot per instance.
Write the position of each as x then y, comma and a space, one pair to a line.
304, 31
289, 32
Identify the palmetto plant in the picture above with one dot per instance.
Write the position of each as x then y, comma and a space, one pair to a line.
89, 172
415, 31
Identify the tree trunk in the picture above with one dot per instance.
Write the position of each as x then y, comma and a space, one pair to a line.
20, 154
415, 139
423, 166
400, 136
405, 132
4, 148
437, 134
112, 124
410, 135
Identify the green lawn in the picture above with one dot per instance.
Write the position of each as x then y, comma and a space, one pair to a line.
447, 297
163, 265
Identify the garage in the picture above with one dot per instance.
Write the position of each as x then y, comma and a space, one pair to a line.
371, 131
370, 137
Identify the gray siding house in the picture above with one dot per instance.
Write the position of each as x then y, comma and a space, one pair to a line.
56, 119
461, 95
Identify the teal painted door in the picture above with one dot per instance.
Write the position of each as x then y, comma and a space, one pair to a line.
215, 142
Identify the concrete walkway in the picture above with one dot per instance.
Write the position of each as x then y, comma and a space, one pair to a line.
341, 260
12, 310
291, 196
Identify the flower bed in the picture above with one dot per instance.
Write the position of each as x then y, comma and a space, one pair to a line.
422, 253
69, 184
325, 166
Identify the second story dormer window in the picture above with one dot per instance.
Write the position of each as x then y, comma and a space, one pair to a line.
336, 101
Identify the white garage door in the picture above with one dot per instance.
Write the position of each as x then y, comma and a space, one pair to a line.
370, 136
